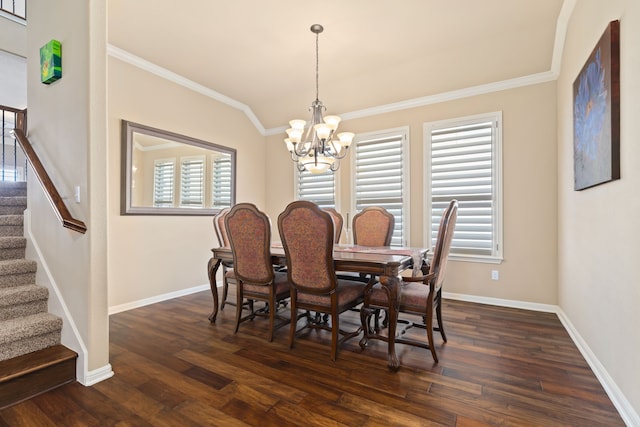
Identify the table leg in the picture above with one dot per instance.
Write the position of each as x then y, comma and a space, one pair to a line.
393, 285
212, 269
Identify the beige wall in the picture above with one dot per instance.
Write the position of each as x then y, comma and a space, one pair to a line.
66, 127
155, 255
529, 270
599, 272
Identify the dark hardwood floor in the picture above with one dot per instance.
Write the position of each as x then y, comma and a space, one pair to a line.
501, 367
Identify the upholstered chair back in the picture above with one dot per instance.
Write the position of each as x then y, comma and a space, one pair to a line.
219, 227
307, 235
373, 226
337, 223
249, 233
443, 242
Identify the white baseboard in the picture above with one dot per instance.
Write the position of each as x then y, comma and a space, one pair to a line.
97, 375
547, 308
626, 411
158, 298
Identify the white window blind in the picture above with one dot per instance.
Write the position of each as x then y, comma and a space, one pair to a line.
192, 182
221, 182
381, 177
464, 165
163, 182
317, 188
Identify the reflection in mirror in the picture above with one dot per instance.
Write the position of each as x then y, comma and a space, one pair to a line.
164, 173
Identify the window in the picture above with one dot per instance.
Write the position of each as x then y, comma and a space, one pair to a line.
163, 179
381, 176
463, 162
317, 188
221, 182
192, 182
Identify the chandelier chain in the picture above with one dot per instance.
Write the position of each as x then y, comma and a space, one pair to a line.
317, 67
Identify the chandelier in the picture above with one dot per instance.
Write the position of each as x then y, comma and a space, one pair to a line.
320, 147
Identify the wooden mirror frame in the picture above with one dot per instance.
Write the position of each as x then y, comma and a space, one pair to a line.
128, 132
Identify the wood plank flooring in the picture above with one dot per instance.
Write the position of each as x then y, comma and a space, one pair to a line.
501, 367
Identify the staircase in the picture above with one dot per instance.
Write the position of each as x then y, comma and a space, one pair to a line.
32, 360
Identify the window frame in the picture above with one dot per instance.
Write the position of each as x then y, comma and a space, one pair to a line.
404, 132
496, 256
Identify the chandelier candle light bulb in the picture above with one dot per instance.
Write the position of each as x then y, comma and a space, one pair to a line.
319, 150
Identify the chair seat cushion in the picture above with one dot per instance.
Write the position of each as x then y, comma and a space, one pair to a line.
280, 282
349, 293
413, 297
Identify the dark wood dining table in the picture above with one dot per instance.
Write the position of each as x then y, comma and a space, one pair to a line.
383, 261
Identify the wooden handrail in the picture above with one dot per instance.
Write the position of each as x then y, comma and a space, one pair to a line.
60, 207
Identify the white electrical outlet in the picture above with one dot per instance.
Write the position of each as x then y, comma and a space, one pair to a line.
495, 275
77, 194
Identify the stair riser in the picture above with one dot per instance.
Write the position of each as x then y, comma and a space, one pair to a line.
10, 280
11, 230
20, 310
23, 382
28, 345
13, 253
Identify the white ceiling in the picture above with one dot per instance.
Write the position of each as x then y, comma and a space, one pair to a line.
372, 52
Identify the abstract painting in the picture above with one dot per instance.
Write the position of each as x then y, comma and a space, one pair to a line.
596, 113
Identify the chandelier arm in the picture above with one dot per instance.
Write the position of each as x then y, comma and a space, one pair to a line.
336, 156
303, 152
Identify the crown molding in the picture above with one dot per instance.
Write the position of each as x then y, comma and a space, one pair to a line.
143, 64
533, 79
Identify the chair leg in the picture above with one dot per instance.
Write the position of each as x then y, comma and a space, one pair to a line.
294, 318
225, 292
429, 325
272, 314
439, 318
239, 298
335, 333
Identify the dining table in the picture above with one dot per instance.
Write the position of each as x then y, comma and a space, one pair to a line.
386, 262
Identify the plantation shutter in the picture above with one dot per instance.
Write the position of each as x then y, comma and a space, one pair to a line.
163, 179
462, 168
379, 178
192, 182
221, 186
317, 188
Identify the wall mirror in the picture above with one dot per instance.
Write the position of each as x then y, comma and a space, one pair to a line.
164, 173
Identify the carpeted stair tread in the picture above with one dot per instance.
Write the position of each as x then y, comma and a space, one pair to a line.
8, 188
17, 266
29, 326
11, 220
13, 201
12, 242
22, 294
24, 300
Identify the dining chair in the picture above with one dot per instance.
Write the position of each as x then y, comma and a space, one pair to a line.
228, 275
419, 295
337, 223
307, 234
249, 232
373, 226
